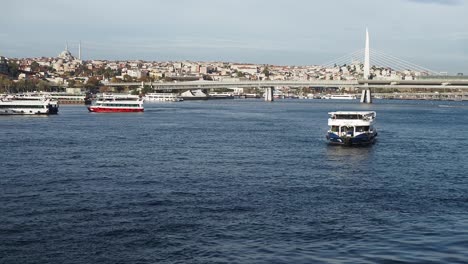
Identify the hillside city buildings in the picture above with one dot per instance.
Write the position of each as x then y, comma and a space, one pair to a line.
76, 75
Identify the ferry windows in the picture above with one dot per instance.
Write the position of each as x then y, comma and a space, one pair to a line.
362, 128
347, 129
348, 116
21, 106
335, 128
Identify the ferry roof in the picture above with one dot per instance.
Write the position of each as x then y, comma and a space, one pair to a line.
353, 113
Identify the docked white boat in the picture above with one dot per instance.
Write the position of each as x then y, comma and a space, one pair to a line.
221, 96
25, 104
66, 98
340, 96
351, 127
162, 97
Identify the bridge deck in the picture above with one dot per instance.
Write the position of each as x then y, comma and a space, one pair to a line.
406, 84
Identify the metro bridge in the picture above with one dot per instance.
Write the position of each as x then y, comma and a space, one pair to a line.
357, 84
364, 85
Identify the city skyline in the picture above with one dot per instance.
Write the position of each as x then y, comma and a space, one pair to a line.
429, 33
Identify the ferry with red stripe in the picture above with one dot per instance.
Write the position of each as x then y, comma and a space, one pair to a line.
116, 104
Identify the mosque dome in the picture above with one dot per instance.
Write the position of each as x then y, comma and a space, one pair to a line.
66, 55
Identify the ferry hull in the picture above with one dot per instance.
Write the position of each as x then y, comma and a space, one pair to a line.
186, 98
32, 111
53, 110
163, 100
362, 139
114, 110
23, 112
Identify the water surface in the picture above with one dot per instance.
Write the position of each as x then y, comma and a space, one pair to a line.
234, 181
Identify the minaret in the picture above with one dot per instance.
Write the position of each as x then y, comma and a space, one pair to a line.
79, 50
367, 58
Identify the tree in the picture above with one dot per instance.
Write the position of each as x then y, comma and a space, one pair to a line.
35, 66
71, 83
146, 89
92, 81
119, 89
266, 72
207, 77
5, 85
13, 69
104, 89
108, 73
25, 86
92, 84
144, 78
127, 78
240, 74
43, 86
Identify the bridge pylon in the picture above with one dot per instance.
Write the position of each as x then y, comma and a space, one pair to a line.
366, 96
366, 93
269, 94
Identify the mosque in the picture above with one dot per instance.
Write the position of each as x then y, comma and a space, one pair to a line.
67, 56
66, 62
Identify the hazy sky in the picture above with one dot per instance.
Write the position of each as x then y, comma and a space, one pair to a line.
431, 33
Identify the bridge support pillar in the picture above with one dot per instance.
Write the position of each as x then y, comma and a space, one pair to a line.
366, 96
269, 94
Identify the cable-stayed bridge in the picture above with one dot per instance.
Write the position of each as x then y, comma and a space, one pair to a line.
380, 60
368, 69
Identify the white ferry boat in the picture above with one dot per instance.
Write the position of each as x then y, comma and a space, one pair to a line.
221, 96
351, 128
109, 103
27, 105
66, 98
340, 96
162, 97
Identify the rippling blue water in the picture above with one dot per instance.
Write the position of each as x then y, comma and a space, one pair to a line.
235, 181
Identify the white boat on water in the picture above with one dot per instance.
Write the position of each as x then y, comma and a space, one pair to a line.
28, 104
114, 103
162, 97
351, 127
221, 96
340, 96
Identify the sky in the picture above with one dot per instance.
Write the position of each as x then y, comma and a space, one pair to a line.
430, 33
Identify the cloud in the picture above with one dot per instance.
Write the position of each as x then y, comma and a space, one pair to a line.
438, 2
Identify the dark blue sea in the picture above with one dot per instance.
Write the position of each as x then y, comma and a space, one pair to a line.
235, 181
